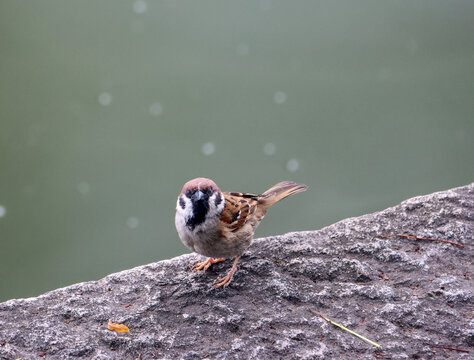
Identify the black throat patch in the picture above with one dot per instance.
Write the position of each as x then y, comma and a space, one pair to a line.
200, 210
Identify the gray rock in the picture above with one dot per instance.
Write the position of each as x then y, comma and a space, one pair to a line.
404, 294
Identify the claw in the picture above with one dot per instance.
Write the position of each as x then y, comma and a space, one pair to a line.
205, 264
225, 281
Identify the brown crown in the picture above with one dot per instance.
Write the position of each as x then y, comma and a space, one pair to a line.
199, 183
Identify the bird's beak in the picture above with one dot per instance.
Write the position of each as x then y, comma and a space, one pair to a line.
198, 195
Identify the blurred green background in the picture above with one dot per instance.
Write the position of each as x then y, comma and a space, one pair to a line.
108, 107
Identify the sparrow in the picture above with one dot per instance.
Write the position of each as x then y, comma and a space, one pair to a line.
220, 224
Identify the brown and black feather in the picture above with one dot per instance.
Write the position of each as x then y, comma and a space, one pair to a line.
238, 206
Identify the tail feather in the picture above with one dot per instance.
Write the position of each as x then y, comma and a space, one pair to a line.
279, 192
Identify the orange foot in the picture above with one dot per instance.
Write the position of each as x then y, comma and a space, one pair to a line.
205, 264
228, 278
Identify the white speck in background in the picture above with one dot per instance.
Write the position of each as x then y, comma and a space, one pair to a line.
279, 97
208, 148
242, 49
292, 165
83, 188
105, 99
269, 149
132, 222
156, 109
140, 7
3, 211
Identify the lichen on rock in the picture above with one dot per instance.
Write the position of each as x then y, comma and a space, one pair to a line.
405, 294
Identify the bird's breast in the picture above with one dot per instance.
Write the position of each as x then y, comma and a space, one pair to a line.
208, 239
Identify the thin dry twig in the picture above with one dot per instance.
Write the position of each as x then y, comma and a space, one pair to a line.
421, 238
344, 328
446, 348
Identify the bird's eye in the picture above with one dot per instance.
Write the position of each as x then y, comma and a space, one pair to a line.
182, 203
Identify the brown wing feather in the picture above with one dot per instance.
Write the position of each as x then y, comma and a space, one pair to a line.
238, 206
242, 207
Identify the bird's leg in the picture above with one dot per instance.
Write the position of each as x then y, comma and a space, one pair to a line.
205, 264
228, 278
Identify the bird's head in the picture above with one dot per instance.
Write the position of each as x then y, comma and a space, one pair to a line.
199, 200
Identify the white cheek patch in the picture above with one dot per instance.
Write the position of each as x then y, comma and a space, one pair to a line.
213, 209
187, 212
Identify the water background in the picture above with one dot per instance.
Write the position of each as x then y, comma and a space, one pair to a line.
108, 107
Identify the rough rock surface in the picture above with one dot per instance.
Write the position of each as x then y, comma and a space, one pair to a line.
407, 295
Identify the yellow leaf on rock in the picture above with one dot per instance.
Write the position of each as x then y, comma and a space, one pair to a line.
117, 327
